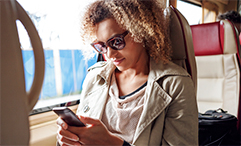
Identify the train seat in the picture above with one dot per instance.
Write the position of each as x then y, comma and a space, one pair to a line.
182, 44
218, 66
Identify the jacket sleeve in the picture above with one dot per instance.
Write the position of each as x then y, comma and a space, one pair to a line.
181, 122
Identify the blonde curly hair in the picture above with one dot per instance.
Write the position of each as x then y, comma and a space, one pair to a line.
146, 20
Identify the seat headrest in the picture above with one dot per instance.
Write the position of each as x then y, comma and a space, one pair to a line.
177, 39
182, 44
214, 38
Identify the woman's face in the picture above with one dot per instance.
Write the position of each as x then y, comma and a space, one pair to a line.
132, 56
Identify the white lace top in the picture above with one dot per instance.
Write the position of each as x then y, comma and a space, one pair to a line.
121, 116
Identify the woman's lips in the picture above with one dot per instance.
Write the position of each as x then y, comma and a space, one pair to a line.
117, 61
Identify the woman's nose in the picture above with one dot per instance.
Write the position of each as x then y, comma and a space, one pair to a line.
111, 52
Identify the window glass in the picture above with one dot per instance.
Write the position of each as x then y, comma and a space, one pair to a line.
192, 12
58, 23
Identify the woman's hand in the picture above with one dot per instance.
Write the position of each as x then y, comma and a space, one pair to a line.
65, 137
95, 133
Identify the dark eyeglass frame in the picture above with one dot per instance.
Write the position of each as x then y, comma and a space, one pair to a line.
108, 44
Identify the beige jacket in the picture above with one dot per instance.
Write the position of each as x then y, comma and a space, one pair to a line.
170, 115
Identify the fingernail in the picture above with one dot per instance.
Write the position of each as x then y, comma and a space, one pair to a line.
76, 138
64, 126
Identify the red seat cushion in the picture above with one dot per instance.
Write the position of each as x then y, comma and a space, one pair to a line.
207, 39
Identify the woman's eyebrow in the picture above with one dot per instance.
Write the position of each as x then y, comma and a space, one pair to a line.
96, 40
114, 36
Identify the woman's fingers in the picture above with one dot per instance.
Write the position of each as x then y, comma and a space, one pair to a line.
90, 121
66, 136
61, 123
95, 133
66, 142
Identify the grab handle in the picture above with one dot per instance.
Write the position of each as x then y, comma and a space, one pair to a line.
33, 93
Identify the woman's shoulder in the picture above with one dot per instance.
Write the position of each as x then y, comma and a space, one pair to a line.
97, 65
175, 77
174, 69
177, 74
170, 74
102, 69
160, 70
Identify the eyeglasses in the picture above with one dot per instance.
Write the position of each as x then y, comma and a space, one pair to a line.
116, 42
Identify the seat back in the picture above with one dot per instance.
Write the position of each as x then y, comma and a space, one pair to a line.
218, 66
182, 44
16, 102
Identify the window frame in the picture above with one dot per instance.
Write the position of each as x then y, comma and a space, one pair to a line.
75, 92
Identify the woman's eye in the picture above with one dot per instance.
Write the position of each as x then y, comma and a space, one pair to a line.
117, 42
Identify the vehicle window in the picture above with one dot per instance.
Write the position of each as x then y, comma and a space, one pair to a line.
58, 23
192, 12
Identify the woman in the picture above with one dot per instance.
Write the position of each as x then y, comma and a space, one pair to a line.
138, 96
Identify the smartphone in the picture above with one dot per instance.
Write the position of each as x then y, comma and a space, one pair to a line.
68, 116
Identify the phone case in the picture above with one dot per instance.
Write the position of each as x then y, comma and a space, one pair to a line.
68, 116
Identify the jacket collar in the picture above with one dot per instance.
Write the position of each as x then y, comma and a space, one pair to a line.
159, 70
104, 70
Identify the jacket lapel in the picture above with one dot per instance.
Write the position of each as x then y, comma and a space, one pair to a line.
156, 99
156, 102
93, 102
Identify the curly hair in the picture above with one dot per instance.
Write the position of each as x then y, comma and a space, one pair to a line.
146, 20
233, 16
